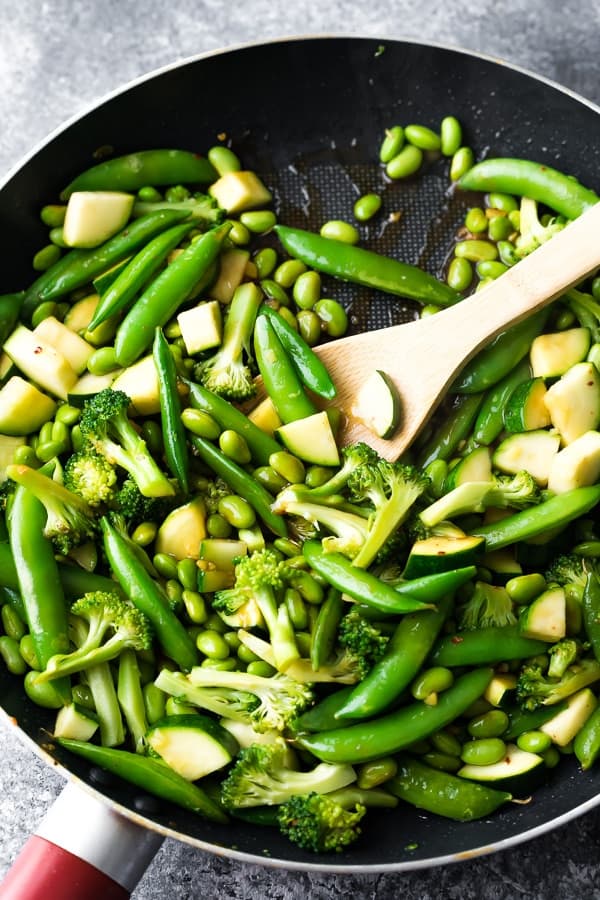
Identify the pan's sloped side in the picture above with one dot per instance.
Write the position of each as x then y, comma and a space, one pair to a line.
309, 116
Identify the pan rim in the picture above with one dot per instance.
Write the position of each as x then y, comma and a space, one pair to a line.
132, 815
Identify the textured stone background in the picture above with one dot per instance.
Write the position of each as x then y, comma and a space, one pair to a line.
57, 56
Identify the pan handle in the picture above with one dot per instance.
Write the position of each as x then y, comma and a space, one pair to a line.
82, 850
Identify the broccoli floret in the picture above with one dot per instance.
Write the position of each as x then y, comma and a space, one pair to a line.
113, 625
135, 507
261, 577
318, 823
533, 233
353, 456
536, 689
225, 373
236, 610
90, 475
362, 639
6, 489
349, 529
392, 489
562, 655
105, 425
569, 571
203, 209
70, 521
261, 777
343, 668
502, 491
488, 606
213, 492
265, 703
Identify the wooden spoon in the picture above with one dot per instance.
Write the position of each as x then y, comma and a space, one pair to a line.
423, 357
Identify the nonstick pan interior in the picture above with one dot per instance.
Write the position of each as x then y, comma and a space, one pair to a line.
309, 116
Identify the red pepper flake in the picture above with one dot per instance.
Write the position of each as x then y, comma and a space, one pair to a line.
457, 639
38, 349
441, 553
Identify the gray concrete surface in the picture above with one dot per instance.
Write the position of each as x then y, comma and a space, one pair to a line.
56, 56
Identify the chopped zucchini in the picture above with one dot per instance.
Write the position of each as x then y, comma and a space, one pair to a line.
503, 563
442, 554
140, 383
75, 722
23, 408
475, 466
518, 771
7, 367
311, 439
192, 745
237, 191
94, 216
183, 530
210, 580
89, 385
500, 685
232, 268
574, 401
563, 727
201, 327
41, 362
526, 410
222, 552
546, 618
577, 465
553, 354
532, 451
70, 345
377, 405
266, 417
80, 314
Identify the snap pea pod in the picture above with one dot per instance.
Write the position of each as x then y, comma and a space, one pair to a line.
490, 418
500, 356
310, 369
86, 265
525, 178
151, 775
360, 266
38, 581
399, 729
242, 483
323, 716
75, 581
587, 741
359, 584
137, 272
486, 646
442, 793
165, 293
173, 432
10, 307
590, 603
527, 523
455, 427
404, 656
139, 586
325, 631
146, 167
229, 417
280, 379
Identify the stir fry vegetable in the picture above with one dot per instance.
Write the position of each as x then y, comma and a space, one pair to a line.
221, 605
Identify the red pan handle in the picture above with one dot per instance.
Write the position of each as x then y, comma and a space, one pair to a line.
83, 850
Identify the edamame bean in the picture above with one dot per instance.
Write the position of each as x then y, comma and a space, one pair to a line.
524, 588
174, 592
217, 526
367, 206
333, 317
490, 268
155, 702
258, 221
214, 622
551, 757
307, 289
534, 742
46, 257
287, 272
211, 644
239, 234
392, 143
232, 640
47, 451
450, 135
317, 476
484, 752
505, 202
268, 477
303, 639
152, 434
102, 361
289, 317
149, 194
245, 654
491, 724
25, 456
187, 573
57, 237
476, 221
460, 274
422, 137
144, 534
431, 681
223, 159
201, 423
274, 291
308, 586
260, 668
476, 251
296, 609
44, 694
265, 261
235, 447
237, 511
13, 624
338, 230
376, 772
288, 466
53, 215
9, 651
309, 326
499, 228
44, 311
506, 252
566, 319
430, 309
461, 162
442, 761
175, 707
446, 743
222, 665
195, 606
165, 565
27, 651
406, 163
67, 414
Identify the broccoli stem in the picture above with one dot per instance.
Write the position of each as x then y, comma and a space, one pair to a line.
135, 458
131, 698
280, 628
102, 686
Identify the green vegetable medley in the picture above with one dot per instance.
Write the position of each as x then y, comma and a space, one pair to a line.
222, 605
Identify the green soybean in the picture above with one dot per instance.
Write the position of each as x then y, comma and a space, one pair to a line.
460, 274
102, 361
212, 645
333, 317
422, 137
446, 743
309, 326
442, 761
307, 289
392, 143
260, 668
505, 202
235, 447
9, 651
200, 423
144, 533
46, 257
274, 291
258, 221
338, 230
13, 624
149, 194
534, 741
491, 724
461, 162
378, 771
239, 234
67, 414
288, 466
499, 228
367, 206
44, 694
450, 135
406, 163
224, 160
432, 681
53, 215
476, 220
187, 573
27, 651
165, 565
524, 588
195, 606
237, 511
484, 752
490, 268
288, 272
265, 261
296, 609
217, 526
476, 250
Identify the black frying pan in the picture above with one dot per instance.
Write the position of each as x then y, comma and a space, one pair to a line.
309, 116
